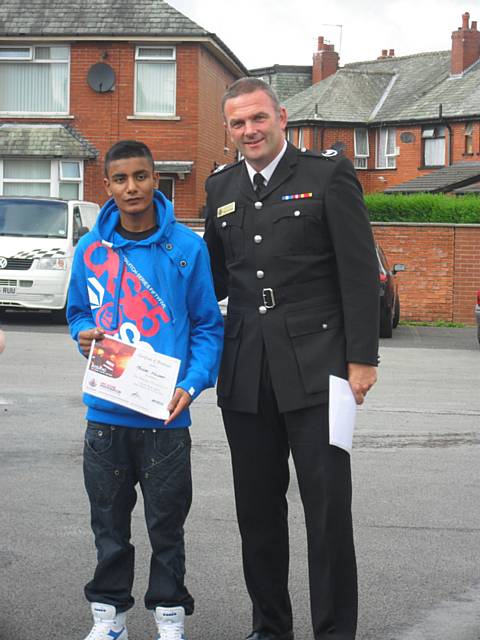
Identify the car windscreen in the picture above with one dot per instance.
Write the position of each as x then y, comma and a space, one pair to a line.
33, 218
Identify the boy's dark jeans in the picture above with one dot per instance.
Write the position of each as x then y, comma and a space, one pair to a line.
115, 459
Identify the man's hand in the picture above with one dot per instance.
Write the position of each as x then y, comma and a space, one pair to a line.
180, 401
85, 339
361, 377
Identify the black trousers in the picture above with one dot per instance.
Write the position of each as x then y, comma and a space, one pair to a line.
260, 445
116, 459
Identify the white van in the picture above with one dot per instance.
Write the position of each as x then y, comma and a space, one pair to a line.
37, 242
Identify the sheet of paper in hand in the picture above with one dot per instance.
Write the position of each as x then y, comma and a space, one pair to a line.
136, 378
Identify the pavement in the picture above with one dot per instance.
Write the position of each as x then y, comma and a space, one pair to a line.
416, 499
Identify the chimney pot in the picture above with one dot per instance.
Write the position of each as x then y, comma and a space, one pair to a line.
391, 53
465, 46
321, 40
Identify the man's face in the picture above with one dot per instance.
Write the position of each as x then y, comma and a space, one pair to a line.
255, 128
131, 183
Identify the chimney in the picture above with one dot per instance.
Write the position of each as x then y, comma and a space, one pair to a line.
391, 53
325, 61
383, 55
465, 46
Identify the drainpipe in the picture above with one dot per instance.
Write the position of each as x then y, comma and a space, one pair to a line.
450, 133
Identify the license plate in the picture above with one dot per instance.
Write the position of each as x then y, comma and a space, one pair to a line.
9, 291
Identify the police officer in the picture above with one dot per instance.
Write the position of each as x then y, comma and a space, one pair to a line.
291, 245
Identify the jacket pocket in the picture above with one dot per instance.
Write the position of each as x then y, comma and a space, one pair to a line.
318, 341
230, 230
231, 345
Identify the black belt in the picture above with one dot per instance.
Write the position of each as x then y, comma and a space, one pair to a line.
271, 297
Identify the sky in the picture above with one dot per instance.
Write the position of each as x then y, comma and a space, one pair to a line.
262, 33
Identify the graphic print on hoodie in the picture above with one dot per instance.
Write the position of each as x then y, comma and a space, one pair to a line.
155, 293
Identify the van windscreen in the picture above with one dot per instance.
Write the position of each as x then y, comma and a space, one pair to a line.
33, 218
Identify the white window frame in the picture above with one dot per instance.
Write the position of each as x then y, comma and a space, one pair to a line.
33, 60
361, 159
468, 135
156, 59
55, 179
301, 137
429, 133
390, 158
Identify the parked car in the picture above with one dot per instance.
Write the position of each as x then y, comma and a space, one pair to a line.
389, 299
38, 237
477, 314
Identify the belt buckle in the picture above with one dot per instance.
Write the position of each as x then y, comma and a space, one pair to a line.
268, 298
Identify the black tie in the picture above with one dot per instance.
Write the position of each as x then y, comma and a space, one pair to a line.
259, 182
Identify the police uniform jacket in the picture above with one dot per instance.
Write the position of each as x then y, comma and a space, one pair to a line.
300, 269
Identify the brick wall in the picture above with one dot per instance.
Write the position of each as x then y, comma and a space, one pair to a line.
409, 162
196, 134
442, 269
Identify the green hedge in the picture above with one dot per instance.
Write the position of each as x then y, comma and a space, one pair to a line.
423, 207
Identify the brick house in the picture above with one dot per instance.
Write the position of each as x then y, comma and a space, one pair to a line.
76, 78
402, 120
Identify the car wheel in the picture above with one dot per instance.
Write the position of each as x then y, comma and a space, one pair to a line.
386, 322
396, 314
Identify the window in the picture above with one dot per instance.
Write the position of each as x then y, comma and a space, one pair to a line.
34, 79
301, 138
165, 185
433, 146
469, 138
40, 177
360, 143
155, 84
386, 150
290, 135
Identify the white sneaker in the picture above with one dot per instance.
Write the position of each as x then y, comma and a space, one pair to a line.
108, 624
170, 622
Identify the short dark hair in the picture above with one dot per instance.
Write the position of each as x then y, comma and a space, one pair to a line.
127, 149
249, 85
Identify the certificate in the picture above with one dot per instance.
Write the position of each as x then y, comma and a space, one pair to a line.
136, 378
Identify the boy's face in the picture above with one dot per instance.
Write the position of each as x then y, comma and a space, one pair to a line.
131, 183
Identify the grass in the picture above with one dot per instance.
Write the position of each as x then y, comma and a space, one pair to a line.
436, 323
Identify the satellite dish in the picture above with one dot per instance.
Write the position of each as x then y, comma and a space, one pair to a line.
101, 77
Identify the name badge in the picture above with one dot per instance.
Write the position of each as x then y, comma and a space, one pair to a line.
226, 209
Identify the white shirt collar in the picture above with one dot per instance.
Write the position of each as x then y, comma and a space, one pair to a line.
269, 169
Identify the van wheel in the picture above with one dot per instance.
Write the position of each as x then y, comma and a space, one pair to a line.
59, 316
386, 323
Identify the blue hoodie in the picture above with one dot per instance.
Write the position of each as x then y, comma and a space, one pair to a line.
157, 290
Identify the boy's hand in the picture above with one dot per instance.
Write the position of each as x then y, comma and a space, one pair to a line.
85, 339
180, 401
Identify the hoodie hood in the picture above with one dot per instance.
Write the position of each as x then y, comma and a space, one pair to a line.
109, 217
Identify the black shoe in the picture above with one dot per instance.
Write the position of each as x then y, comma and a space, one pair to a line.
266, 635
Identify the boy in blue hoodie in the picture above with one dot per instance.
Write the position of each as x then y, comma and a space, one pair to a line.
144, 278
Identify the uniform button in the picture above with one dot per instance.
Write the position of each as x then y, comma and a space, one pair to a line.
260, 274
296, 213
169, 246
324, 325
262, 310
224, 224
257, 239
183, 263
258, 204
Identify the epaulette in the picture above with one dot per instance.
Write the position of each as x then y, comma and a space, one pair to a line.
222, 168
327, 154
